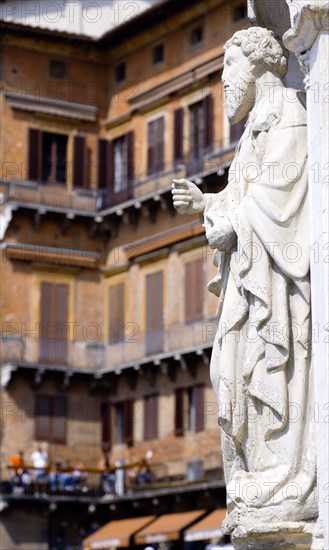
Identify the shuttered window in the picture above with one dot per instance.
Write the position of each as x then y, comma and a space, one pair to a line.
194, 290
189, 409
117, 422
236, 130
178, 134
151, 417
53, 323
154, 312
50, 418
201, 133
117, 314
47, 157
116, 168
155, 147
201, 127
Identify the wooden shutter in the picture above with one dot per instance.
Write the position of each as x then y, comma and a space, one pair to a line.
42, 416
130, 158
155, 148
53, 323
154, 312
105, 164
58, 419
199, 407
208, 110
117, 314
150, 147
151, 417
194, 290
61, 319
80, 157
179, 412
159, 144
178, 134
128, 411
45, 320
106, 423
35, 155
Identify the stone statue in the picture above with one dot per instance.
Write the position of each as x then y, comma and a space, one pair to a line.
258, 228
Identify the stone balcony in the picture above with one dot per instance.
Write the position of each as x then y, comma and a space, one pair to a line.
137, 349
88, 202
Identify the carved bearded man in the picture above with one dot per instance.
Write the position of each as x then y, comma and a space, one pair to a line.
258, 228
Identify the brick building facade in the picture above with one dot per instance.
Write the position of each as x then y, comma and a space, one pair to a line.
107, 325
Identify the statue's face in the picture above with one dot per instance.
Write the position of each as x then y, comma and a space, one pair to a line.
239, 84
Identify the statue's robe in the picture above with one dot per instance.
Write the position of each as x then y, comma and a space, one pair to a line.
260, 366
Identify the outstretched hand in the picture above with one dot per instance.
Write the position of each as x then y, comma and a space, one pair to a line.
187, 197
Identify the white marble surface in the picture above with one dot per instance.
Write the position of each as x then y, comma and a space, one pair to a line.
259, 230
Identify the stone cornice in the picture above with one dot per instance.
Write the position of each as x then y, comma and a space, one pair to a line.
312, 19
162, 240
194, 75
48, 106
52, 255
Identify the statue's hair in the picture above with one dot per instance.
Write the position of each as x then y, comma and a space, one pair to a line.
261, 47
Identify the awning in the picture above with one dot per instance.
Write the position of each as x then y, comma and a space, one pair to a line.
116, 533
167, 527
207, 528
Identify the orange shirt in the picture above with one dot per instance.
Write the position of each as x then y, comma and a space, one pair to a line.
16, 461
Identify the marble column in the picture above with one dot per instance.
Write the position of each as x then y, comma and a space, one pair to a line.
309, 40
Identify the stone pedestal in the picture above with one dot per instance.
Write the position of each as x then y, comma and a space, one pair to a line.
282, 536
249, 531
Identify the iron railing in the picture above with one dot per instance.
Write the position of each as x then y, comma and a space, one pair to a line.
136, 347
143, 184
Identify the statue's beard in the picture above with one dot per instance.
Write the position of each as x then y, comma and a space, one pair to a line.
240, 98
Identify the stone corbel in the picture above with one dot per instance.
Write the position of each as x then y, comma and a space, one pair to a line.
6, 374
310, 18
6, 215
66, 380
39, 373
